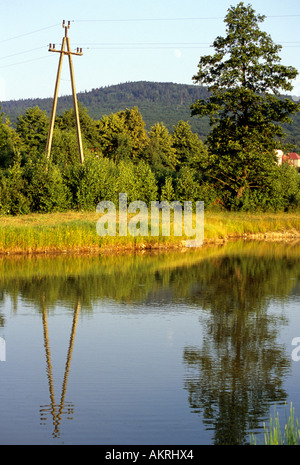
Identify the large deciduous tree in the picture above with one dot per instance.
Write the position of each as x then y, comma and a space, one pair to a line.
246, 109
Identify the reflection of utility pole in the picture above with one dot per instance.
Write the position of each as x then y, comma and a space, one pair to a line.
58, 410
62, 51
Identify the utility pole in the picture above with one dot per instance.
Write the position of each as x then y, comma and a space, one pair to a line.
62, 52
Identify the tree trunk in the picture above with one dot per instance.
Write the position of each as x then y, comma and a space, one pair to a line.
240, 192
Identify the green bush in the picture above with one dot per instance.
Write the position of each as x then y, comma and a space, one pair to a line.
280, 192
46, 190
137, 181
187, 188
13, 190
96, 182
145, 182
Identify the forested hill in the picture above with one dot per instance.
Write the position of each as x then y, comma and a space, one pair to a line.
156, 101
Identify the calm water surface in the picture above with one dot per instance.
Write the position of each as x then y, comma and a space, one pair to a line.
179, 348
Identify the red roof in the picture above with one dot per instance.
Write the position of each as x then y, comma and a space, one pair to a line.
293, 156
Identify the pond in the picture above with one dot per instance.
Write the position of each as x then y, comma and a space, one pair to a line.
186, 348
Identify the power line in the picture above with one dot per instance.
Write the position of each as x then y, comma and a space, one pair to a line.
133, 45
125, 20
29, 33
122, 45
137, 20
282, 16
116, 47
21, 53
170, 19
142, 47
148, 43
22, 62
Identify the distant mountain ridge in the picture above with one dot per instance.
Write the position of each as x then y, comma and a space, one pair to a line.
165, 102
157, 102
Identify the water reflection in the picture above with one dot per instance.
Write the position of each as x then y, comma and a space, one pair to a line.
58, 410
238, 368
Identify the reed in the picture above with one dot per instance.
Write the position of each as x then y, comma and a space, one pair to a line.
273, 434
69, 231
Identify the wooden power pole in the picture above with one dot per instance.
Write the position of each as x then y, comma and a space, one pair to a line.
62, 51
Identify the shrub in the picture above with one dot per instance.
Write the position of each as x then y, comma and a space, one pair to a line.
46, 190
13, 195
96, 182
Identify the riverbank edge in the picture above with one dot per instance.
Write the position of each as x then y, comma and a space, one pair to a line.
288, 236
75, 232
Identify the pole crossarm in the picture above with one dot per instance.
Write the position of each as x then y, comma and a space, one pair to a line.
65, 52
69, 53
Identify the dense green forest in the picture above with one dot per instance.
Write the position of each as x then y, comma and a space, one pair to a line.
156, 101
163, 102
121, 155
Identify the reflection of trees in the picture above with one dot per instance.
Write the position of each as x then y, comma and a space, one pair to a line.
136, 278
239, 368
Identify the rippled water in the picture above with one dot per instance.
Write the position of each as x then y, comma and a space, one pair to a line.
170, 348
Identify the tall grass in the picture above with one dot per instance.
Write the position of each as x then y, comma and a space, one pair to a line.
273, 434
71, 231
224, 224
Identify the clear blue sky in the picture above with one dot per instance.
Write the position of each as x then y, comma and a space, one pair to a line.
157, 40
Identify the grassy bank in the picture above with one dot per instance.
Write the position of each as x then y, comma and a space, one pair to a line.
251, 225
76, 231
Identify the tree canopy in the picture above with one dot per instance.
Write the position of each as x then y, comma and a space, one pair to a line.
246, 110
